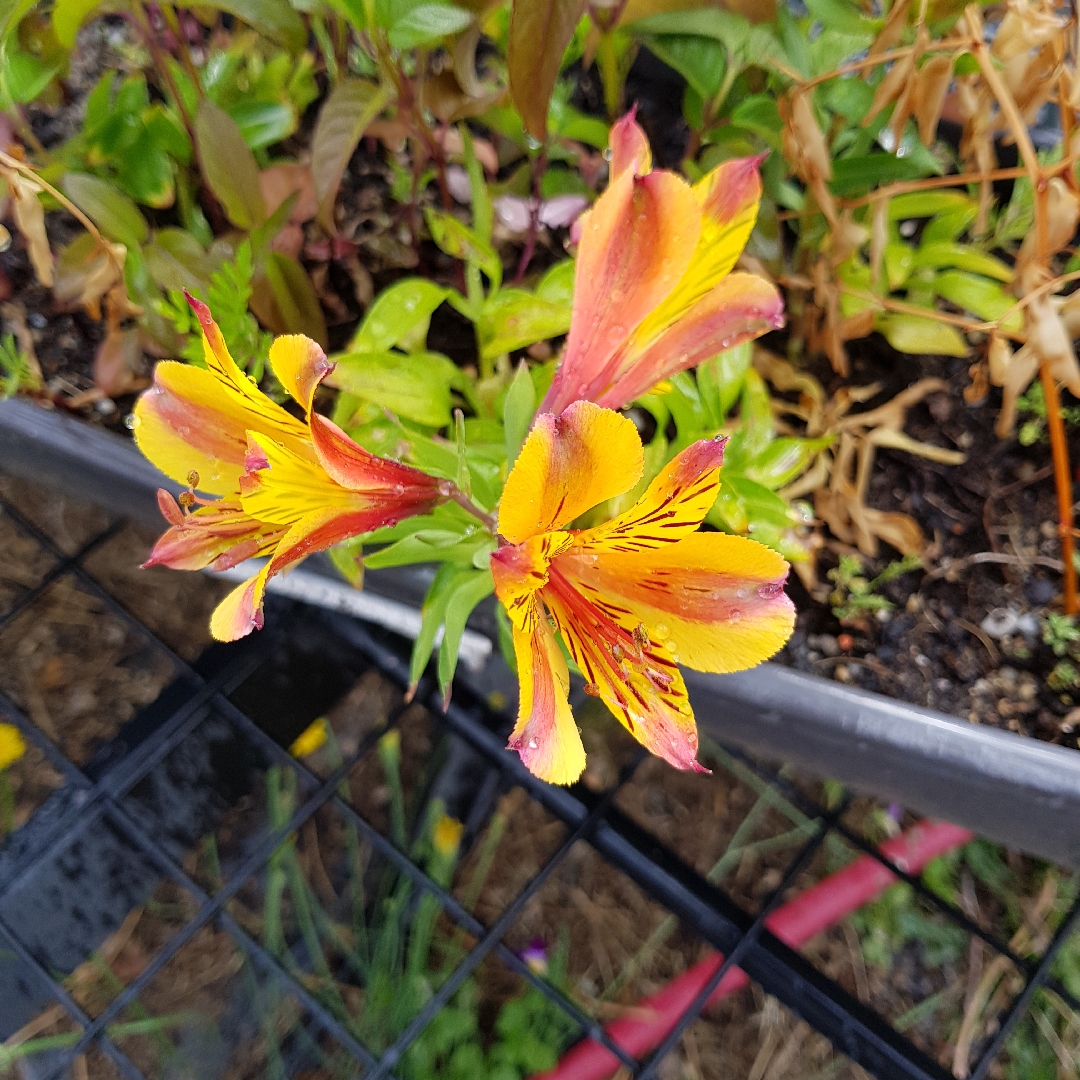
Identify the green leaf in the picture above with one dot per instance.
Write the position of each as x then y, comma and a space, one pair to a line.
432, 546
229, 166
899, 262
396, 313
415, 387
109, 209
285, 299
465, 596
847, 18
461, 242
701, 61
759, 114
11, 12
176, 260
540, 31
720, 380
263, 123
23, 75
756, 414
557, 284
944, 255
986, 299
949, 225
427, 24
483, 212
518, 411
68, 16
783, 460
919, 336
146, 172
352, 105
865, 171
514, 318
746, 44
432, 615
274, 19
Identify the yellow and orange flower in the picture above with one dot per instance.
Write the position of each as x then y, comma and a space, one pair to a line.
288, 488
654, 293
632, 598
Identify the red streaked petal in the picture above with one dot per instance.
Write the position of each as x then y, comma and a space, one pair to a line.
241, 611
546, 736
569, 464
742, 307
672, 507
353, 467
715, 601
636, 244
639, 682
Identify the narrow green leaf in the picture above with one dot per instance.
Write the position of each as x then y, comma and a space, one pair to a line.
463, 243
948, 255
720, 380
921, 337
518, 411
228, 166
464, 478
432, 615
293, 306
464, 598
783, 460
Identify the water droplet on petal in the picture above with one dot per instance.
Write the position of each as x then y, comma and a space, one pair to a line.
662, 631
532, 744
735, 615
770, 591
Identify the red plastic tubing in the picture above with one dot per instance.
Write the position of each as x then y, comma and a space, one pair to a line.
795, 923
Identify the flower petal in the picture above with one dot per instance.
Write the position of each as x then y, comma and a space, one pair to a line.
716, 602
673, 505
192, 419
568, 464
300, 365
546, 735
241, 611
520, 571
282, 487
220, 533
741, 308
639, 682
636, 243
353, 467
629, 147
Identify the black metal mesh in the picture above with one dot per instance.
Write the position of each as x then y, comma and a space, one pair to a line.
113, 810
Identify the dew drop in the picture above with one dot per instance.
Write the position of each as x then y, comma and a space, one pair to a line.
662, 631
399, 489
532, 744
741, 594
735, 615
770, 591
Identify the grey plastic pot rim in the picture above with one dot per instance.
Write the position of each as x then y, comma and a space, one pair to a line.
1006, 787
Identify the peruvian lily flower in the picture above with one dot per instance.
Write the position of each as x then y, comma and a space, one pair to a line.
654, 293
632, 598
288, 488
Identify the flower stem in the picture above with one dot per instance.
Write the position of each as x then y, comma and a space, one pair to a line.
455, 494
1063, 482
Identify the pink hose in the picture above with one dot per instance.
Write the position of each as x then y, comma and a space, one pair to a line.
795, 923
